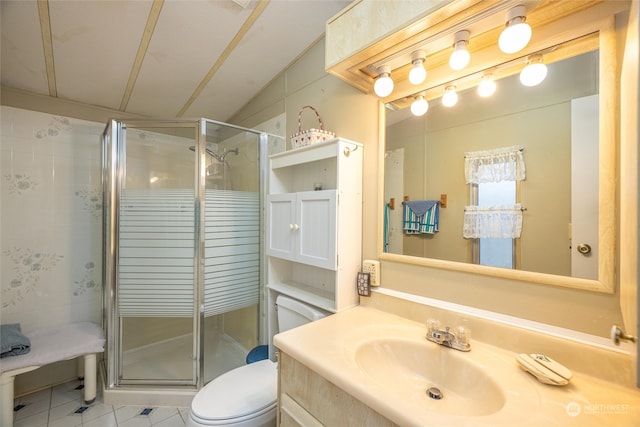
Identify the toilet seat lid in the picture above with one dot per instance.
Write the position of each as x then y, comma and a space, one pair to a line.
238, 393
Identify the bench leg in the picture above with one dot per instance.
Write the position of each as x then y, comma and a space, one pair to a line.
80, 368
7, 400
90, 378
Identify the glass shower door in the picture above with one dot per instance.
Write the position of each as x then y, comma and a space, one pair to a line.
231, 256
157, 255
183, 259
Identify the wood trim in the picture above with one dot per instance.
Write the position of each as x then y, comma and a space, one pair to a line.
47, 45
553, 22
598, 19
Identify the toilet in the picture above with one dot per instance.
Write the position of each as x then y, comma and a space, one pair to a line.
246, 396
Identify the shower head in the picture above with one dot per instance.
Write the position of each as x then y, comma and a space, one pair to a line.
212, 153
233, 150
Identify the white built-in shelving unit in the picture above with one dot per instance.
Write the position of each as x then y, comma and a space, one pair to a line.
314, 225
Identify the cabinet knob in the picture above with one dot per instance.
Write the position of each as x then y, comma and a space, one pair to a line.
293, 227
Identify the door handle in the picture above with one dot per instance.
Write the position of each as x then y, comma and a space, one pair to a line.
617, 335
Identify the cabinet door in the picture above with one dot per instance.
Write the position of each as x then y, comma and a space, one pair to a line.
281, 225
316, 217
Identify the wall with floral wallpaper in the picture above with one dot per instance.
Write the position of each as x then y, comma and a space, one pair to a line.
50, 219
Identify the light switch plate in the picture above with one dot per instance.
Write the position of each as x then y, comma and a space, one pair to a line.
363, 285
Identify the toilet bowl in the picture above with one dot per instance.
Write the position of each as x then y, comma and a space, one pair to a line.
247, 396
242, 397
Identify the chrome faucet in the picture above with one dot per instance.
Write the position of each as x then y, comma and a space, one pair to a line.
447, 338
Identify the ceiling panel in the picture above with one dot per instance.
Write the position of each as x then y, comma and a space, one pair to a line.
23, 65
186, 43
285, 30
95, 45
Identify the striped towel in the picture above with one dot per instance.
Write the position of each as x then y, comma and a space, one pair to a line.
420, 216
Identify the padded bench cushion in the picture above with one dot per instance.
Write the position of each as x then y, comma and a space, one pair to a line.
49, 345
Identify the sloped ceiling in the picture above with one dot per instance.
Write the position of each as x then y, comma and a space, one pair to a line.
171, 58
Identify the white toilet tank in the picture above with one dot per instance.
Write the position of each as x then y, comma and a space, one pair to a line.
293, 313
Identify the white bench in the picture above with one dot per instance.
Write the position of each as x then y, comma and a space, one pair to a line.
49, 345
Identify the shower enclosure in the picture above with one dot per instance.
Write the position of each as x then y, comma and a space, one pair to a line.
182, 251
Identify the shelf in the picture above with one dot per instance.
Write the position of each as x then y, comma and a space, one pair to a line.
296, 256
316, 297
310, 153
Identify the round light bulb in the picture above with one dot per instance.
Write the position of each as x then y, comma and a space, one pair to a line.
533, 74
420, 106
459, 57
417, 74
383, 85
450, 97
487, 86
515, 36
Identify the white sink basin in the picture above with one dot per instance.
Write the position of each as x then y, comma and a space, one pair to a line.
408, 368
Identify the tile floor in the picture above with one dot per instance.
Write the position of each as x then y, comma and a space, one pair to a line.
63, 406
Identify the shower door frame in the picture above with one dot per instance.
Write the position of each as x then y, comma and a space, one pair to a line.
114, 167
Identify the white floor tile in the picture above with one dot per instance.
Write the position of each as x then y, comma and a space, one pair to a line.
66, 393
69, 421
97, 410
34, 404
161, 413
66, 412
136, 422
31, 409
56, 408
37, 420
106, 420
174, 421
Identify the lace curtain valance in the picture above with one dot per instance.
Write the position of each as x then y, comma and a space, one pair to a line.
492, 222
499, 164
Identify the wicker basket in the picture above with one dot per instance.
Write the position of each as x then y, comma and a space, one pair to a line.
310, 136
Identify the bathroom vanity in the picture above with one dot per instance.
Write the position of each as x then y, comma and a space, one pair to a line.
364, 366
300, 406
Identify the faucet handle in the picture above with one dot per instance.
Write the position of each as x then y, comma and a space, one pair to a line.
433, 325
463, 335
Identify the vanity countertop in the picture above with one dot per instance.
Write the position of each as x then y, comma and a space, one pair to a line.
330, 347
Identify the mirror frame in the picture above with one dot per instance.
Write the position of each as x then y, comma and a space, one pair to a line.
607, 181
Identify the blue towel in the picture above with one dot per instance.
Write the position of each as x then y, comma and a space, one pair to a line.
387, 212
421, 216
12, 342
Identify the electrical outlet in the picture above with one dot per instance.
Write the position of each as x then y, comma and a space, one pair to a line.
373, 268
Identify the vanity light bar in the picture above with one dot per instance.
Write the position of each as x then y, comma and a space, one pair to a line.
455, 38
485, 80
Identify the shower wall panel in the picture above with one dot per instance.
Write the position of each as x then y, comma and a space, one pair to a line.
50, 226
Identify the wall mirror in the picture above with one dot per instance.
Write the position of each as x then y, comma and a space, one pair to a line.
565, 129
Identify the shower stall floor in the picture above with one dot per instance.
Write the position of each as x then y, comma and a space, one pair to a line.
172, 359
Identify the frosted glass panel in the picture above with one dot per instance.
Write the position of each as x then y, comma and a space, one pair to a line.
497, 252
